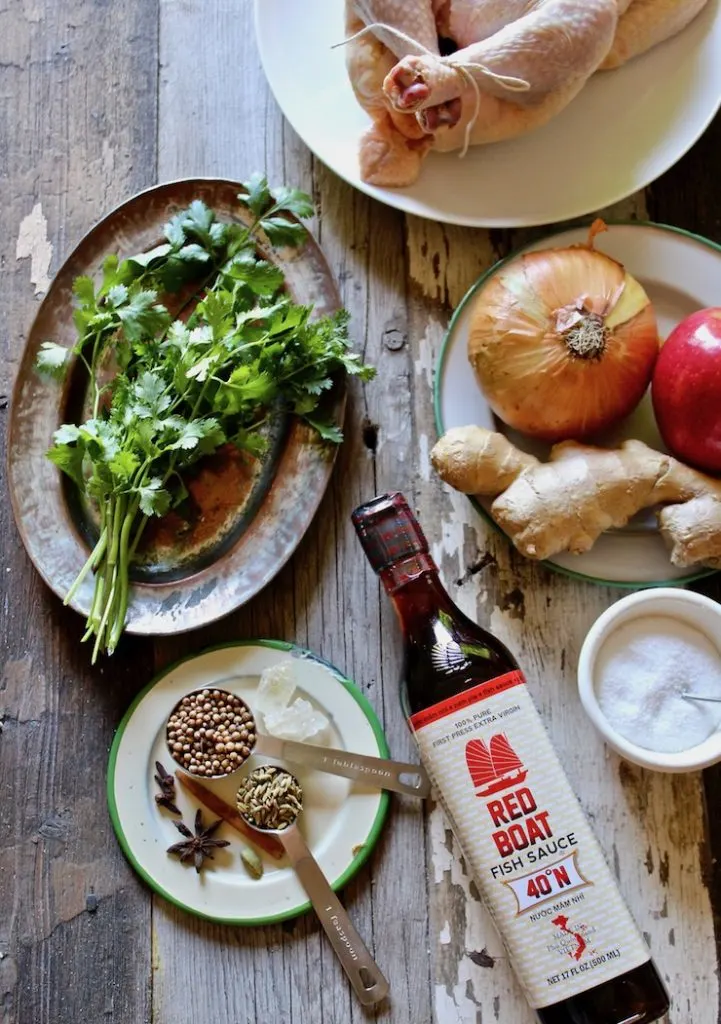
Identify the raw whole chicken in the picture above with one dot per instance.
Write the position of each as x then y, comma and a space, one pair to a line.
507, 67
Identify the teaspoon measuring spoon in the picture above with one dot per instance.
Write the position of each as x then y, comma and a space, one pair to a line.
399, 776
365, 976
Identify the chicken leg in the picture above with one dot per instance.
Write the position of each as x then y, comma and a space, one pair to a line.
552, 44
647, 23
392, 149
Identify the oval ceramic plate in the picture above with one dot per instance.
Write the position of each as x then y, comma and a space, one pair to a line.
646, 115
252, 515
341, 819
681, 273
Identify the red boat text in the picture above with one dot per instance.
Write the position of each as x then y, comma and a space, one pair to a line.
529, 824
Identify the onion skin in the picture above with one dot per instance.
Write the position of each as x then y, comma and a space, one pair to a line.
563, 342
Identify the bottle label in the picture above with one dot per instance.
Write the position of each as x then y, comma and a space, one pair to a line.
539, 867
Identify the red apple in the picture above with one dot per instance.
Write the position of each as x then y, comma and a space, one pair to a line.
686, 390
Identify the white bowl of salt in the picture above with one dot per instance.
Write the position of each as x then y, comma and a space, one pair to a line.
644, 665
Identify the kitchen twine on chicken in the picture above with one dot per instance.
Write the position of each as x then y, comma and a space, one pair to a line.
463, 68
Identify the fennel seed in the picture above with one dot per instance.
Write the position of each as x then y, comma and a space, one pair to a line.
270, 798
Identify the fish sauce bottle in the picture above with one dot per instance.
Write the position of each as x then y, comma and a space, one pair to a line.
573, 943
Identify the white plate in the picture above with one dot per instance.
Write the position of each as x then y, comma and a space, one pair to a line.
633, 123
341, 819
681, 273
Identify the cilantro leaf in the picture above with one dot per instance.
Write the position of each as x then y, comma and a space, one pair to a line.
174, 231
84, 290
149, 395
124, 464
113, 273
143, 260
117, 295
201, 436
245, 388
198, 222
328, 431
217, 309
142, 316
262, 278
192, 253
154, 498
68, 433
69, 458
281, 232
200, 370
258, 197
292, 199
52, 359
250, 441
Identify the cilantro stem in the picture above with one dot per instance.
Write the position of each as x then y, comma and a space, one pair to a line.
136, 538
95, 555
93, 615
124, 573
111, 566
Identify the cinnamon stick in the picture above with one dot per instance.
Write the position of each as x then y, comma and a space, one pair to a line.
218, 806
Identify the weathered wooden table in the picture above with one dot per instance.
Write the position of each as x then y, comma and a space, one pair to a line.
99, 100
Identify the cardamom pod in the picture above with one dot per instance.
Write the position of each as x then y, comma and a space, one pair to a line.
251, 860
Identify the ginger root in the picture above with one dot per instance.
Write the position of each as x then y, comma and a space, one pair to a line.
565, 504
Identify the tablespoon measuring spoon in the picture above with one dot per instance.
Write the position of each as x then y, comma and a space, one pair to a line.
399, 776
269, 801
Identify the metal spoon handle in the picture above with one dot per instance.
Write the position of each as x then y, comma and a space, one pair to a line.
364, 974
399, 776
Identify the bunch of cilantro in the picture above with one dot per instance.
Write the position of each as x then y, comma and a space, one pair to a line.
164, 391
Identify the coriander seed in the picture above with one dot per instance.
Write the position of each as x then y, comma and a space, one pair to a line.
199, 728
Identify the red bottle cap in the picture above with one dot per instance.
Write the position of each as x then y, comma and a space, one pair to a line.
388, 530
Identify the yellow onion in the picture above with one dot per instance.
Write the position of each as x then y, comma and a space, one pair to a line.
563, 341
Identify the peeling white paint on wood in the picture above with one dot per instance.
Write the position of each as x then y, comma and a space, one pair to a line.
445, 259
424, 363
33, 244
424, 460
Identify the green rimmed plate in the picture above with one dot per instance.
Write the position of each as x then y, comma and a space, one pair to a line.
681, 273
341, 819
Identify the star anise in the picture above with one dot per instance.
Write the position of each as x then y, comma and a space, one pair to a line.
166, 796
199, 846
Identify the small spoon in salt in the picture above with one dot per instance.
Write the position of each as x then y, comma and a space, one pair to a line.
697, 696
269, 801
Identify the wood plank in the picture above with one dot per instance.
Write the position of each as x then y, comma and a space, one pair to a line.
76, 120
326, 598
651, 826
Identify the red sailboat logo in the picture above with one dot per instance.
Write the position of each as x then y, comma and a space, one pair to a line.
494, 766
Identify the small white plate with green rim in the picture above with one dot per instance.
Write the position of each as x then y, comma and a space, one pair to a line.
341, 819
681, 273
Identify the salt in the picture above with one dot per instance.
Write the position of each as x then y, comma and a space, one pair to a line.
641, 671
